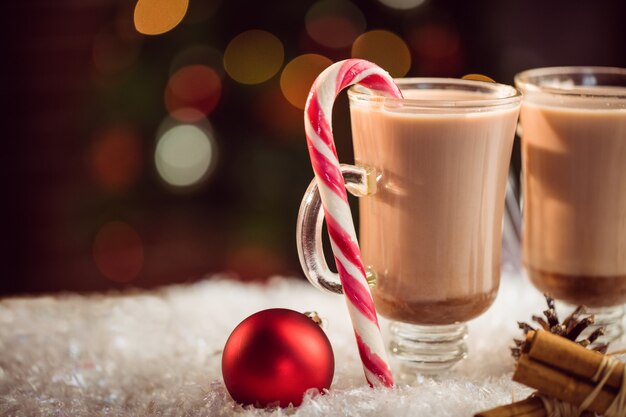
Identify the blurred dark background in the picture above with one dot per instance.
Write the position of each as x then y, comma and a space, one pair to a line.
141, 150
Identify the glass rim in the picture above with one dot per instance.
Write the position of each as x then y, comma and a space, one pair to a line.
502, 94
528, 81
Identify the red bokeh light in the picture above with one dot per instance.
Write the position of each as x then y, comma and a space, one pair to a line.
115, 158
437, 49
118, 252
333, 31
334, 23
195, 86
254, 262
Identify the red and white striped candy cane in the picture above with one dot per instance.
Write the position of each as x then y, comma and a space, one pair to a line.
317, 125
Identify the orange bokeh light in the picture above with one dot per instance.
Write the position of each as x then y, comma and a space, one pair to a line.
298, 76
253, 57
478, 77
196, 87
115, 158
384, 48
118, 252
154, 17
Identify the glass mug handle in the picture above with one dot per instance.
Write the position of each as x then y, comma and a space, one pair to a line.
360, 181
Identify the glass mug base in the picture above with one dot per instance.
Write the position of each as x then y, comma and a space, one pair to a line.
426, 349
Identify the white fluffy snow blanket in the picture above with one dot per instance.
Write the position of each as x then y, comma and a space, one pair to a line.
158, 353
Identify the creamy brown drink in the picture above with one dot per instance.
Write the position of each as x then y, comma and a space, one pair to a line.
430, 172
432, 231
575, 198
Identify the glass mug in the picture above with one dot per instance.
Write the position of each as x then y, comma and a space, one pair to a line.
573, 135
431, 171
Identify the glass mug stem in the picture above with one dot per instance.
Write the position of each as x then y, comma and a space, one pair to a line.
426, 349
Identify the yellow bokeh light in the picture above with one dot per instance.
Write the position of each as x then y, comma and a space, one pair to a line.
154, 17
298, 76
384, 48
253, 57
478, 77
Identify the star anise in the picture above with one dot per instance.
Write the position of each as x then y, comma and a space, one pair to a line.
570, 328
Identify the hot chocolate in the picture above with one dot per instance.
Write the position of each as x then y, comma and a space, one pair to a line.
432, 231
575, 199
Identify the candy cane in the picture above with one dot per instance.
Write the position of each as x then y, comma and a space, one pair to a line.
317, 125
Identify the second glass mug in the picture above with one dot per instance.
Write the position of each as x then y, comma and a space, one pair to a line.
431, 170
573, 136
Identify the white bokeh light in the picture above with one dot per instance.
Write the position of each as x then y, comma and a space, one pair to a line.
183, 155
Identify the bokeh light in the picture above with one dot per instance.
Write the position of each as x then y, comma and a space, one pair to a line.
384, 48
252, 262
253, 57
118, 252
154, 17
437, 48
334, 23
478, 77
402, 4
196, 87
115, 158
298, 76
184, 155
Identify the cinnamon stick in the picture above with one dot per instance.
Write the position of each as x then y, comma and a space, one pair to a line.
555, 383
530, 407
559, 368
569, 357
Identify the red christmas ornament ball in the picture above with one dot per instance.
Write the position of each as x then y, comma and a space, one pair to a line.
274, 356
